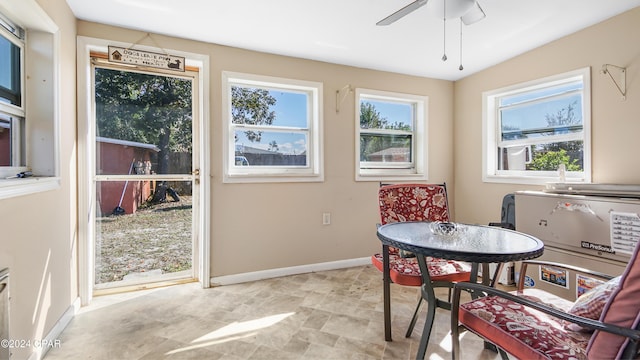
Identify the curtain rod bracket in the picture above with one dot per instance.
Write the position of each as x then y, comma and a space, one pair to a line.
339, 100
622, 77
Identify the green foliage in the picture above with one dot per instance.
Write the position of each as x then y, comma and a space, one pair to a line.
252, 107
370, 118
151, 109
576, 145
550, 160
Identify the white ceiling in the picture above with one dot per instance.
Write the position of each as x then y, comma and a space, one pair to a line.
345, 31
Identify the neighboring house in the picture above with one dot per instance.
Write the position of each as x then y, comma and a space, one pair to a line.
256, 156
123, 157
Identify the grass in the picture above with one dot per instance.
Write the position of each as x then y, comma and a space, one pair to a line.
155, 237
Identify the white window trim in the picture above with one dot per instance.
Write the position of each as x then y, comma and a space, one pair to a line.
86, 141
312, 173
420, 136
42, 151
490, 172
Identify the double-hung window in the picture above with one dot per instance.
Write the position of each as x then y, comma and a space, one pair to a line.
390, 136
29, 99
534, 129
12, 151
273, 129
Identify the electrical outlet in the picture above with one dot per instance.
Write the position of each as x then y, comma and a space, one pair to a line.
326, 218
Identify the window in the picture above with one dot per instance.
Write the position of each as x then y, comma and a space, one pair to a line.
531, 129
29, 115
11, 109
390, 136
274, 130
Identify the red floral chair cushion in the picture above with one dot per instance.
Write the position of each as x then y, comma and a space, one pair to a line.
525, 332
413, 202
405, 271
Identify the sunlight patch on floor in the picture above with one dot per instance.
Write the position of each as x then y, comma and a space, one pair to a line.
233, 331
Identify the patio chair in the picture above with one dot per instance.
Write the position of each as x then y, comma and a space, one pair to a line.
603, 323
416, 202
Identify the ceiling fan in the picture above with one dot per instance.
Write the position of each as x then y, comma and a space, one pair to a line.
469, 12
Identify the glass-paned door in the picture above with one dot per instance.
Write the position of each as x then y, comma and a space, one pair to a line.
145, 177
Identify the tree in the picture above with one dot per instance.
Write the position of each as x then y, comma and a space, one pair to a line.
370, 118
252, 107
152, 109
564, 116
273, 146
550, 160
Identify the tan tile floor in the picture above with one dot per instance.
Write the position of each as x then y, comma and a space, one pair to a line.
325, 315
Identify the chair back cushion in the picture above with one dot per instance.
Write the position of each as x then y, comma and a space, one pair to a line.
413, 202
416, 202
623, 309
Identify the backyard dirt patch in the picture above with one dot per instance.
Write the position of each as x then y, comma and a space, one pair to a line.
156, 237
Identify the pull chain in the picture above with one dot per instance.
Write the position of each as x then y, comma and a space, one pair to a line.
461, 67
444, 31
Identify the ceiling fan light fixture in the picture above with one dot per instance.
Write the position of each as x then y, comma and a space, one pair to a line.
452, 8
474, 15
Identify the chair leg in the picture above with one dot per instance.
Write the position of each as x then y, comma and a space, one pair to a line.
428, 324
386, 286
455, 325
415, 316
432, 303
455, 342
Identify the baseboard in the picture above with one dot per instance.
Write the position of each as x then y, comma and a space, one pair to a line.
53, 337
294, 270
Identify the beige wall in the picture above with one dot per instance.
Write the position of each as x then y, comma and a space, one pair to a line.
38, 241
615, 123
265, 226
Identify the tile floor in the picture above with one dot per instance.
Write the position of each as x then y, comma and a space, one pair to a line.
325, 315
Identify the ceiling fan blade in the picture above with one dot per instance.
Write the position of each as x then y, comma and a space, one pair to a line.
402, 12
474, 15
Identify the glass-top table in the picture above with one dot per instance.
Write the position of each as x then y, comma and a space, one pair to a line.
477, 244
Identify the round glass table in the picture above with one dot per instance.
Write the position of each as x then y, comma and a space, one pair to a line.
477, 244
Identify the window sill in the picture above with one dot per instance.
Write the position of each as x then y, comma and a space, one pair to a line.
532, 180
242, 178
18, 187
390, 177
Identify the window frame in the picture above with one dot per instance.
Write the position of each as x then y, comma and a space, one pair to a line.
313, 171
16, 36
39, 141
417, 168
14, 114
491, 131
